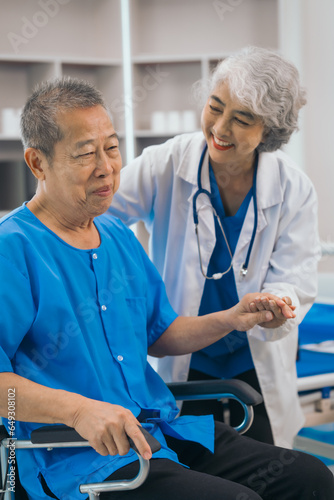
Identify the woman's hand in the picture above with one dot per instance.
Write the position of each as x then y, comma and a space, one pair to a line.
282, 309
245, 313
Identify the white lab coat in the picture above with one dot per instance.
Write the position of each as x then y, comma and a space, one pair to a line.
158, 188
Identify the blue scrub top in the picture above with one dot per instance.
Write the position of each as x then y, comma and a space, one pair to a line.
230, 355
82, 321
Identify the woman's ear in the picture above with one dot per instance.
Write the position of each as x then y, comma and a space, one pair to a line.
265, 133
36, 161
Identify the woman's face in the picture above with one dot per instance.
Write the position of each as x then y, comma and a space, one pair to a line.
232, 131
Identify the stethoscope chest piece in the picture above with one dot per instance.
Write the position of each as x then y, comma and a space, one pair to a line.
243, 271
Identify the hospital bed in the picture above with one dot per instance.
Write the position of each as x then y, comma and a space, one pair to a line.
60, 436
315, 369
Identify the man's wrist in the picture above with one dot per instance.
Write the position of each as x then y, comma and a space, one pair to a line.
228, 320
71, 406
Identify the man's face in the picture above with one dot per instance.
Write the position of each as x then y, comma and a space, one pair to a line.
86, 164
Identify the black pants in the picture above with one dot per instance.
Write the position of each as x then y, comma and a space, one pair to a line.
260, 429
240, 469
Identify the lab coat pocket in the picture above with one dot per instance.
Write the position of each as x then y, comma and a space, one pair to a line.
263, 273
288, 350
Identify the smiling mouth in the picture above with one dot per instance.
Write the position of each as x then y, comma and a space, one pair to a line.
222, 145
103, 191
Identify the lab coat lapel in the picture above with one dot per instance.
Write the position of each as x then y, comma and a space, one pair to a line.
187, 170
206, 222
188, 164
268, 193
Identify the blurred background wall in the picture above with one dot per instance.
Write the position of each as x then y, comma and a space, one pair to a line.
145, 63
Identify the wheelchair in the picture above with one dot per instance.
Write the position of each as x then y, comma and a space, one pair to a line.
60, 436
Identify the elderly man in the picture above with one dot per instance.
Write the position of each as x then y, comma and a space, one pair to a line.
81, 305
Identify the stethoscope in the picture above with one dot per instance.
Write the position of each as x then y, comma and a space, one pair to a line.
200, 190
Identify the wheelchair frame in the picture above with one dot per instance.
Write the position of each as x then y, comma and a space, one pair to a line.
197, 390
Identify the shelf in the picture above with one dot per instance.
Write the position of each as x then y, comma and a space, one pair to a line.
154, 90
174, 44
49, 29
4, 137
11, 150
18, 79
88, 61
201, 27
108, 79
19, 59
17, 184
177, 58
143, 142
144, 134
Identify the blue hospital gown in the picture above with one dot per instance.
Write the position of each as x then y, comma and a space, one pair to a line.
82, 321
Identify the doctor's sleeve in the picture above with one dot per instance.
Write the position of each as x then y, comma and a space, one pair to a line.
17, 311
294, 260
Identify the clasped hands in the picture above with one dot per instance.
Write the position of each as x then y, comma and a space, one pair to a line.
278, 310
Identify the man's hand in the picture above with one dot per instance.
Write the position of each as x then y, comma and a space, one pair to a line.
190, 334
107, 428
282, 309
265, 309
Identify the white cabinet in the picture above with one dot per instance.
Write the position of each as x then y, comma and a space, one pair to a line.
173, 44
177, 42
45, 39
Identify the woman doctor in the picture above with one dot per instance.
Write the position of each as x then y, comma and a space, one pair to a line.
229, 213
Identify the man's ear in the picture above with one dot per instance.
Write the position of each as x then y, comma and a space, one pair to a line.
36, 161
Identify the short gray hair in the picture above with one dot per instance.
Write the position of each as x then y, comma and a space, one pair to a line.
268, 85
39, 127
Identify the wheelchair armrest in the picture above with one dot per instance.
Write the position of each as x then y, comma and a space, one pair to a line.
216, 389
63, 434
55, 434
